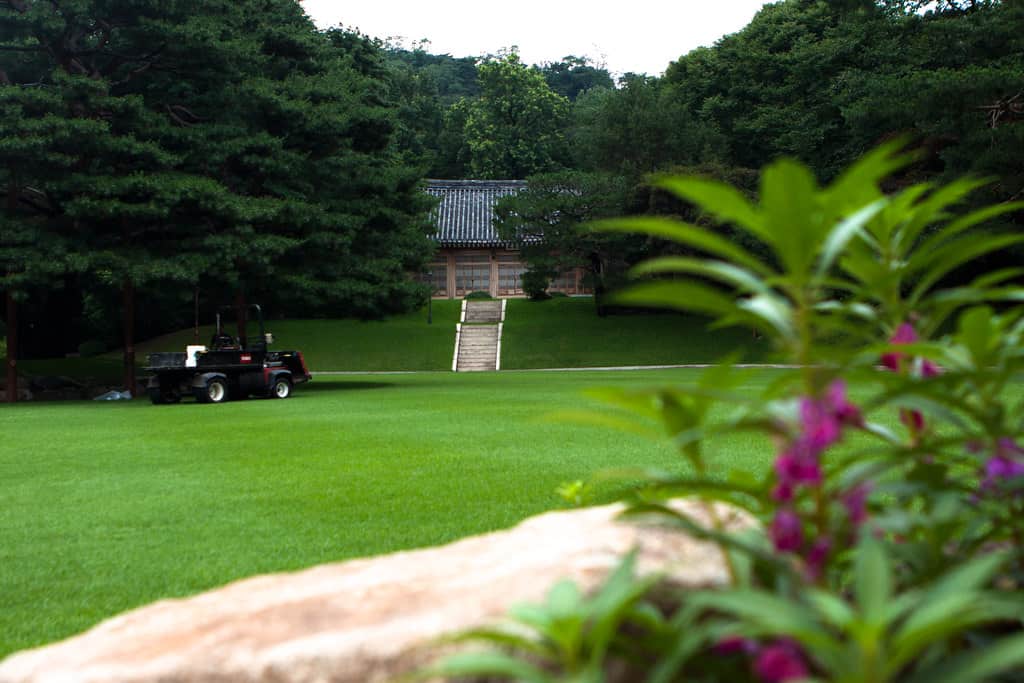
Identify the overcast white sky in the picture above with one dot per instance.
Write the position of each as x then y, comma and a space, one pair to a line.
642, 36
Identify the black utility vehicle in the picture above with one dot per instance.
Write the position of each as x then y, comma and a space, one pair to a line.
228, 368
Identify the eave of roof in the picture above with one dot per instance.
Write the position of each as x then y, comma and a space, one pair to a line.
465, 214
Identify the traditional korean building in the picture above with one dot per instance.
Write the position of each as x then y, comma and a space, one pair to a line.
471, 257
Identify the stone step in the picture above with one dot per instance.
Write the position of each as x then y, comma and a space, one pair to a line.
478, 343
483, 311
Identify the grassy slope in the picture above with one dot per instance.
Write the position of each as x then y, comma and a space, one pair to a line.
562, 332
403, 342
566, 333
107, 506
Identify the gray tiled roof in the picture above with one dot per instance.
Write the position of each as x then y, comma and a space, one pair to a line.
465, 215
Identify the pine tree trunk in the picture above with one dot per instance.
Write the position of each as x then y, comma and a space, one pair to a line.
128, 311
12, 349
12, 312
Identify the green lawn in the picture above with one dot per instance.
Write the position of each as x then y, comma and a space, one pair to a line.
404, 342
566, 333
107, 506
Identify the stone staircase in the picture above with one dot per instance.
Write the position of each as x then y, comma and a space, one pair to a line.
478, 336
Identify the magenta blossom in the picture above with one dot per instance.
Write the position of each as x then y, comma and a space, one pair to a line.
1006, 464
780, 662
732, 645
786, 532
783, 492
929, 368
856, 503
821, 427
905, 334
797, 465
835, 399
912, 419
818, 557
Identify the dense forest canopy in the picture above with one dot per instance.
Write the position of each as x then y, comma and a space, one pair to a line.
154, 150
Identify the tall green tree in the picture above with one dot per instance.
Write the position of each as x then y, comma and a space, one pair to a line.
515, 128
575, 75
227, 145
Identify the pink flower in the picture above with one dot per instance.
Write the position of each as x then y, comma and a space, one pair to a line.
786, 531
797, 465
835, 398
821, 427
928, 368
905, 334
731, 645
818, 557
780, 662
913, 419
856, 503
783, 492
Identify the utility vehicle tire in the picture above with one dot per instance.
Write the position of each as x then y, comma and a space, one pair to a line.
281, 388
215, 391
160, 395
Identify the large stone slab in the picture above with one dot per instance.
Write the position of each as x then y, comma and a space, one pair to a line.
365, 620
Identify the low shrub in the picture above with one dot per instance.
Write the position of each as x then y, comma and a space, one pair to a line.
536, 283
477, 296
892, 537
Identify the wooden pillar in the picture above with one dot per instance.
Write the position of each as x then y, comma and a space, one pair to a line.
494, 274
450, 256
12, 349
128, 314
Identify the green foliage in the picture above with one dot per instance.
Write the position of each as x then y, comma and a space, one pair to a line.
536, 282
232, 147
514, 129
573, 76
884, 554
546, 220
572, 634
478, 296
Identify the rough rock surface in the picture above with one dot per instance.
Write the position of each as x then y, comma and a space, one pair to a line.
365, 620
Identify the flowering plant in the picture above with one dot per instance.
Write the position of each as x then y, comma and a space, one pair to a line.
892, 537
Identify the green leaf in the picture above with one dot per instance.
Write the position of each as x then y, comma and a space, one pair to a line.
833, 609
683, 296
935, 265
487, 664
963, 223
564, 599
841, 235
872, 581
774, 311
719, 199
930, 209
858, 184
978, 664
975, 331
741, 279
687, 234
788, 200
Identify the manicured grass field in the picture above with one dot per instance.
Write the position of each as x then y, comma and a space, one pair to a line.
107, 506
566, 333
